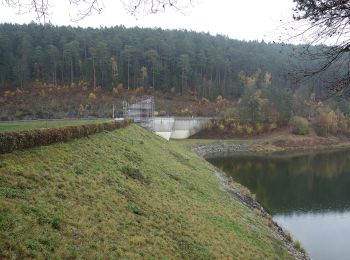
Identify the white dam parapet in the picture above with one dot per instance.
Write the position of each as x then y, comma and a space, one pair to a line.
177, 127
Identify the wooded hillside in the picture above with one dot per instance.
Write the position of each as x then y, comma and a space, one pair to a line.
162, 59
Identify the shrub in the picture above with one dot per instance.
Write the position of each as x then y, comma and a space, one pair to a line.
238, 128
135, 174
325, 122
300, 125
298, 246
342, 122
11, 141
56, 223
209, 125
136, 210
272, 126
259, 128
248, 130
221, 126
175, 176
140, 91
92, 97
115, 91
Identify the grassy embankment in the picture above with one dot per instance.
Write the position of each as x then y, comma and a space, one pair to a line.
8, 126
125, 193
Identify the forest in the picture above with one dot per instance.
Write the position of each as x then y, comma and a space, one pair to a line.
161, 59
72, 71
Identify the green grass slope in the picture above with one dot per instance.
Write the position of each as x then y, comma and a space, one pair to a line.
128, 194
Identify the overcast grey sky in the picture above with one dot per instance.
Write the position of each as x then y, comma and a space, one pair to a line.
245, 20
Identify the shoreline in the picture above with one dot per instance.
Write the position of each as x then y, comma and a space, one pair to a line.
243, 194
256, 147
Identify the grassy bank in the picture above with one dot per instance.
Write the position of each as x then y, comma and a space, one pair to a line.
8, 126
126, 193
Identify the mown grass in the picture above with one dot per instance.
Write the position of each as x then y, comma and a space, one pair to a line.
123, 194
33, 124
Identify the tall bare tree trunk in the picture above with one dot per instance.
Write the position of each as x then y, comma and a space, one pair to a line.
128, 74
94, 69
71, 72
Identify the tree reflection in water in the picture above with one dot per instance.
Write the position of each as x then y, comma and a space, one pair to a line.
308, 195
300, 183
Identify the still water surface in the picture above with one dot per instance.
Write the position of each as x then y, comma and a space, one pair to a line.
308, 195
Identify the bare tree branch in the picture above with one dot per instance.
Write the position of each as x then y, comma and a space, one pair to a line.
136, 7
325, 23
90, 7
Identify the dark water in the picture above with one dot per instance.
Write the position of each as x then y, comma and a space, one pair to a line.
308, 195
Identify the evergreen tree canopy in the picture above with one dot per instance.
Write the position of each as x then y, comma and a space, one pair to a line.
164, 60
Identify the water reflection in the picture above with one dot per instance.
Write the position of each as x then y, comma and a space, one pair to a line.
307, 194
306, 183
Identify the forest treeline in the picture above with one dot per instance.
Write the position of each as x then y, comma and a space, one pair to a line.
84, 71
164, 60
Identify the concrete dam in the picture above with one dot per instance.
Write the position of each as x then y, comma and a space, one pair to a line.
177, 127
142, 112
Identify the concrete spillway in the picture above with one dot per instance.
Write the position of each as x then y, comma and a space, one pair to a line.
177, 127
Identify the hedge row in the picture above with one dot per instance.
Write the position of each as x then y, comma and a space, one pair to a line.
11, 141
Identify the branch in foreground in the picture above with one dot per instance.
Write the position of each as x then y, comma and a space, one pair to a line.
90, 7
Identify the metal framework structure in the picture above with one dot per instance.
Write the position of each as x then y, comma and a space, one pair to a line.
141, 112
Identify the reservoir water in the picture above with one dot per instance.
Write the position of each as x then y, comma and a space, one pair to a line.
308, 195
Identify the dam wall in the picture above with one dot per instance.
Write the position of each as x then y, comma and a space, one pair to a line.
178, 127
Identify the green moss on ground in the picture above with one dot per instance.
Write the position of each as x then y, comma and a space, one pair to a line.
126, 193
